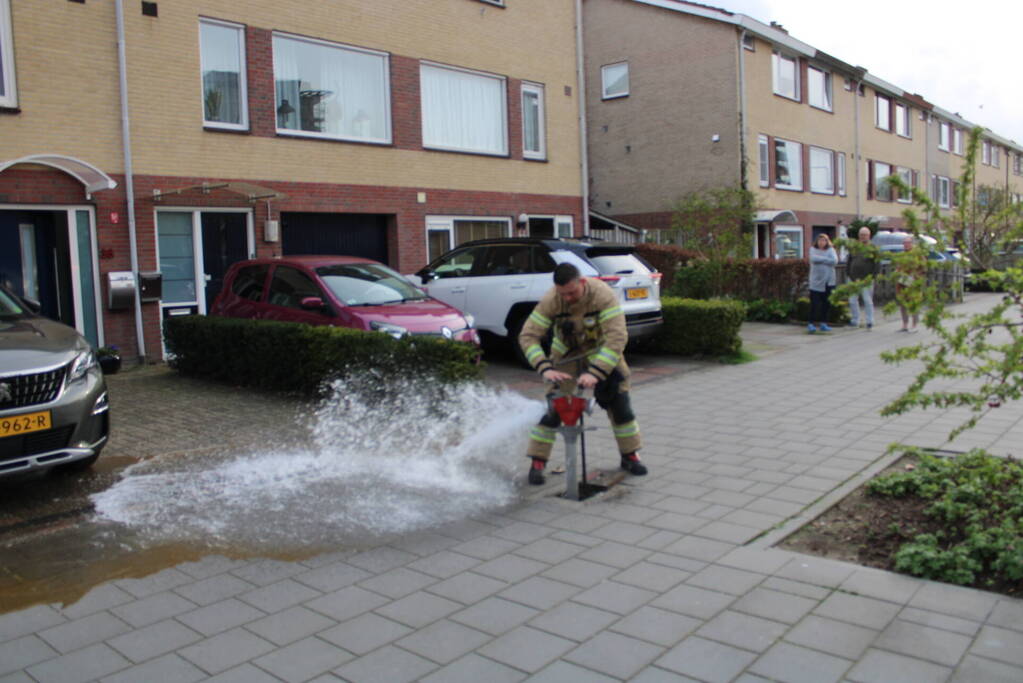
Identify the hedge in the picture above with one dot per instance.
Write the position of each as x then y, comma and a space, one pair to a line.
694, 326
745, 279
296, 357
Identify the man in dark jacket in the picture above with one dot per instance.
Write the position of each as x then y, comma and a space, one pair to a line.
862, 263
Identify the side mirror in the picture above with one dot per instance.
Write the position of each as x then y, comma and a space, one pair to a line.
32, 305
314, 303
426, 275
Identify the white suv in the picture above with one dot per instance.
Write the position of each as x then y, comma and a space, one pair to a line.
499, 281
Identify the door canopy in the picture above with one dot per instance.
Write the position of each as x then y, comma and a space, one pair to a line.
88, 175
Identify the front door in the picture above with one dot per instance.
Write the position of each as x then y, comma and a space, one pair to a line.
224, 241
35, 260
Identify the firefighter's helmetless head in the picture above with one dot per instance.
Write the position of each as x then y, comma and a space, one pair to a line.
569, 284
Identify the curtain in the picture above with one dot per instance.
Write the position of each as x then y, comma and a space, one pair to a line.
463, 111
221, 73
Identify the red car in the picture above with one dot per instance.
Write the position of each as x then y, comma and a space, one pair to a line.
346, 291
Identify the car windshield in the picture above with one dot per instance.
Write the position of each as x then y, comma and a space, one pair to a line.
367, 284
9, 306
618, 264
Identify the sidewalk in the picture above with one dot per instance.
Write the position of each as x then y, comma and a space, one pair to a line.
673, 578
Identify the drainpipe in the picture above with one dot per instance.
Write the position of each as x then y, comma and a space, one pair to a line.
584, 163
743, 168
856, 144
129, 179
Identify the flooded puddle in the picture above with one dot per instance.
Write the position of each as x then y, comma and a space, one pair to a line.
374, 464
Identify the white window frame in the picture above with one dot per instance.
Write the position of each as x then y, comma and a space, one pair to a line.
840, 162
812, 92
957, 140
830, 189
9, 98
500, 152
243, 89
906, 174
882, 122
944, 192
386, 88
764, 156
541, 125
903, 127
796, 230
797, 178
996, 157
777, 59
604, 94
879, 182
944, 133
749, 42
985, 153
447, 223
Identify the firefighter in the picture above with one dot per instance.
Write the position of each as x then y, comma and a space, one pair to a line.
586, 350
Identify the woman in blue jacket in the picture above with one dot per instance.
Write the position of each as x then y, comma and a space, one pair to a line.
822, 280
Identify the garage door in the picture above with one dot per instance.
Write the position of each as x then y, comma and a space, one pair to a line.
350, 234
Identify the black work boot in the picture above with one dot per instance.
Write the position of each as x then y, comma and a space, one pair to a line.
536, 477
632, 465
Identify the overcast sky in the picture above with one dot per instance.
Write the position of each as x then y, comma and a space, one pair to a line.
964, 57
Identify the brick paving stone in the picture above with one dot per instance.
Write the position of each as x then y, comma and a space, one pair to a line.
868, 612
615, 597
386, 665
1007, 614
278, 596
444, 564
494, 615
154, 640
419, 609
23, 652
28, 621
486, 547
511, 568
656, 626
706, 660
398, 582
220, 616
472, 669
225, 650
623, 532
725, 579
303, 659
213, 589
365, 633
874, 583
332, 577
211, 565
796, 588
90, 663
163, 580
652, 577
614, 654
152, 609
742, 630
467, 587
770, 604
243, 673
878, 666
999, 643
659, 539
167, 669
75, 635
526, 648
704, 549
549, 550
346, 603
793, 664
955, 601
289, 625
942, 621
381, 559
100, 598
539, 592
444, 641
816, 571
523, 532
693, 601
673, 521
974, 669
573, 621
614, 554
835, 637
580, 573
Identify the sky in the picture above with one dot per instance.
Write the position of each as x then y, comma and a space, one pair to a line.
964, 57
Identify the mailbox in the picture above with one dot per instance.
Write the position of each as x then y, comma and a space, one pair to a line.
150, 286
120, 289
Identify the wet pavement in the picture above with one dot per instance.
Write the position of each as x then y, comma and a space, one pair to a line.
672, 577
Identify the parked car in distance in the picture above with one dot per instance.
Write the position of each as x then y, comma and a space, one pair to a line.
894, 241
500, 280
345, 291
53, 398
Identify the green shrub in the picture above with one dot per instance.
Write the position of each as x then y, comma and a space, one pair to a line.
745, 279
769, 310
838, 314
303, 358
693, 326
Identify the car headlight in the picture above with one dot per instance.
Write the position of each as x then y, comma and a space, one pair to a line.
82, 363
396, 331
469, 320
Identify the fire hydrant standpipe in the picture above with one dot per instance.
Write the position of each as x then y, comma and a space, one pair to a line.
570, 409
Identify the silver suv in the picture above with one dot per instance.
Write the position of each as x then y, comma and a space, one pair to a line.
499, 281
53, 400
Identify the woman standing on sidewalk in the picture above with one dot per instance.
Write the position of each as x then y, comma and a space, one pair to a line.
822, 280
908, 271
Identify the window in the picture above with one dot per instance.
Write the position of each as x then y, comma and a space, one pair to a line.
995, 156
788, 241
841, 173
941, 190
248, 283
906, 175
882, 112
8, 89
985, 155
819, 84
289, 286
444, 233
614, 79
463, 111
822, 170
534, 144
1017, 164
330, 90
957, 141
749, 42
765, 161
499, 3
786, 76
882, 189
222, 56
788, 165
902, 120
943, 134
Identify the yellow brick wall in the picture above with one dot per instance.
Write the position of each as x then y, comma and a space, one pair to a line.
62, 46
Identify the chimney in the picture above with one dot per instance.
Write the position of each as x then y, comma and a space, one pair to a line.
775, 24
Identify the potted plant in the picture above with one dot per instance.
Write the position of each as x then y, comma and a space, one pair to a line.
109, 359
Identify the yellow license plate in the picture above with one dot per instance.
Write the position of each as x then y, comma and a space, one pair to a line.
637, 293
22, 424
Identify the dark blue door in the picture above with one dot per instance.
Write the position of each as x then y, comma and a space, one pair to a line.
348, 234
224, 241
